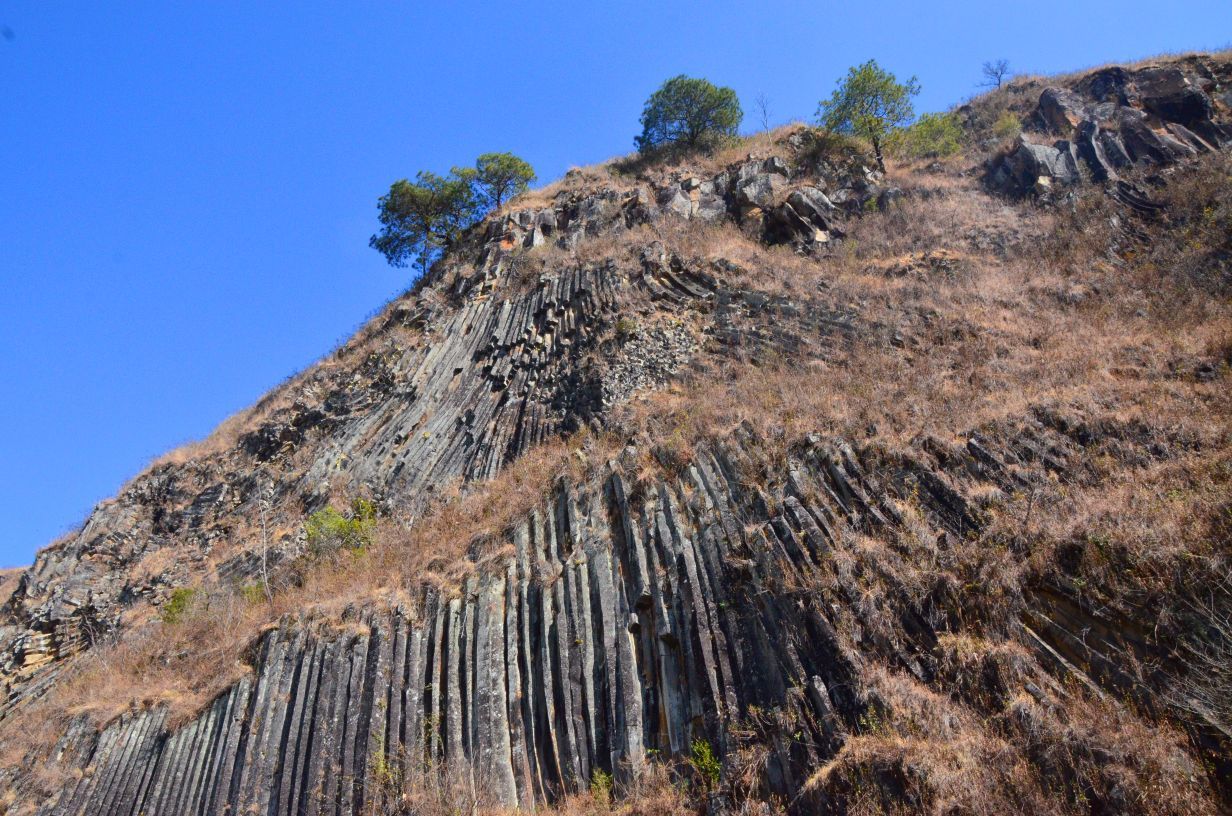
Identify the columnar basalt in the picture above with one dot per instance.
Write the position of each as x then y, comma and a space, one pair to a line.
450, 383
623, 625
771, 594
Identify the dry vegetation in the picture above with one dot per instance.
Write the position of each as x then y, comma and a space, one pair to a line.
8, 580
976, 313
183, 664
920, 752
659, 791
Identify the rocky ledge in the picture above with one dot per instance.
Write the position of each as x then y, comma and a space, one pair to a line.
627, 623
1117, 118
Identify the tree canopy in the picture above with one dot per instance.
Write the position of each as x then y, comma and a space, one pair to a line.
869, 103
421, 218
501, 176
690, 113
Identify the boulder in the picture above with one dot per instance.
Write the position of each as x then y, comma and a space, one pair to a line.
1114, 149
1107, 85
758, 182
677, 200
694, 198
805, 219
1061, 110
758, 190
889, 198
1032, 161
1170, 95
1148, 145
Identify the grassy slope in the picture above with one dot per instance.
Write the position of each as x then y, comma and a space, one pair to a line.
1001, 309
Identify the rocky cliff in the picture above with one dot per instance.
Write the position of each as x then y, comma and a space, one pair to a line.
862, 493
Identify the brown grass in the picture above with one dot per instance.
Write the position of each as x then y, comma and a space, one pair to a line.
970, 314
185, 664
657, 791
922, 752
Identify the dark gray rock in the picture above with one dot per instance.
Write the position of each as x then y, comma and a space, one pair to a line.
1061, 111
1117, 117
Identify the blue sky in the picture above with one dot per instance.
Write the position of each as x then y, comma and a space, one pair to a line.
187, 190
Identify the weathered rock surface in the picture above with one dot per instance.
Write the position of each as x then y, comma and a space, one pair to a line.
740, 597
1115, 118
451, 382
622, 625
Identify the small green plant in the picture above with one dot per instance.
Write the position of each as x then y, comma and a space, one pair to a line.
933, 135
626, 327
601, 786
179, 605
1007, 126
328, 529
705, 763
871, 722
252, 592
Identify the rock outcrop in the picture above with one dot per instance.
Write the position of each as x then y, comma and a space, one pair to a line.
1114, 119
807, 609
450, 383
623, 625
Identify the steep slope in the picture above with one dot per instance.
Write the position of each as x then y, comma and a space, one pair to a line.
856, 493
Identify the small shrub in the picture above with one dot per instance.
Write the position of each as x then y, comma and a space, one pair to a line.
252, 592
933, 135
1007, 126
328, 529
626, 327
179, 605
601, 786
705, 763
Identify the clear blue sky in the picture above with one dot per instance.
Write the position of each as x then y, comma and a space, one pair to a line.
187, 190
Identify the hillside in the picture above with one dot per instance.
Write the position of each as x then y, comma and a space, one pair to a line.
745, 482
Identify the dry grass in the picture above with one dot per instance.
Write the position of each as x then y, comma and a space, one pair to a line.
923, 752
970, 313
183, 665
657, 791
8, 581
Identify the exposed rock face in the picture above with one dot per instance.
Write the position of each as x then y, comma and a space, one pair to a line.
444, 386
623, 624
746, 595
1113, 119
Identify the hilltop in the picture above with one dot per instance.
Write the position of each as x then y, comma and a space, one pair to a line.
751, 480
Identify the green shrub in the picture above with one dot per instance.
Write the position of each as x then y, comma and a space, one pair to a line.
178, 606
252, 592
626, 327
601, 786
1007, 126
932, 136
328, 529
705, 763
